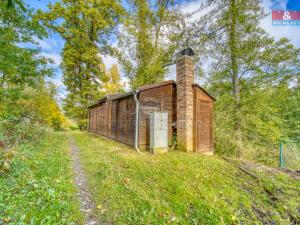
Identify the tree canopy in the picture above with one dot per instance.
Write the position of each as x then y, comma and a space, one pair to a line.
86, 27
27, 100
112, 83
252, 75
148, 38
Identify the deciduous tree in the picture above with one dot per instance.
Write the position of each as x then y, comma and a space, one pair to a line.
112, 83
149, 36
22, 74
247, 71
86, 26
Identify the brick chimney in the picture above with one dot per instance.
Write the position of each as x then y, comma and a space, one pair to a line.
185, 80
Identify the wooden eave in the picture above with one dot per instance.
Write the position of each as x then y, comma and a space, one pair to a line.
202, 89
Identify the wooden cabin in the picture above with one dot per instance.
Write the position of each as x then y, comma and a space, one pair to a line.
126, 117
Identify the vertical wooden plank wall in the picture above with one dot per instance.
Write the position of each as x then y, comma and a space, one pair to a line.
156, 99
101, 119
121, 118
114, 119
203, 121
125, 120
130, 120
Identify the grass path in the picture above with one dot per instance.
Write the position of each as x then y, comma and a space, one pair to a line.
87, 205
181, 188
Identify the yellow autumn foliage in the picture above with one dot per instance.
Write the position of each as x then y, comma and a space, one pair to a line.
112, 83
42, 105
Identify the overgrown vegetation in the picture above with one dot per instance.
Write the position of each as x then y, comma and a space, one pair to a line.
38, 188
182, 188
28, 106
26, 99
254, 78
34, 170
291, 155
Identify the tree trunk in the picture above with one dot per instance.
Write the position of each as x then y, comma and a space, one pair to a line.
235, 72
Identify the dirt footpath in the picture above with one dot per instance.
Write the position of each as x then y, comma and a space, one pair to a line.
86, 203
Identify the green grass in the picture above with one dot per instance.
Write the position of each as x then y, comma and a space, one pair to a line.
39, 188
182, 188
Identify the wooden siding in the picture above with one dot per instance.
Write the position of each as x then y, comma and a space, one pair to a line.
162, 98
130, 120
114, 119
203, 121
113, 134
100, 119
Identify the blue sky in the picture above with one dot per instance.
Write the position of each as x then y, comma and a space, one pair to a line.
293, 5
290, 4
52, 46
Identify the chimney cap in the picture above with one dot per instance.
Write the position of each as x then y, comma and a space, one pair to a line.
188, 51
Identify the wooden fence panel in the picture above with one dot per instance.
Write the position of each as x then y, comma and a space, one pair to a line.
114, 119
130, 121
121, 120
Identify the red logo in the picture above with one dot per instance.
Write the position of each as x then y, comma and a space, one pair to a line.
285, 15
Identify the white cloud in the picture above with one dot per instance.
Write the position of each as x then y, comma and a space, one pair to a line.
54, 56
193, 8
125, 82
49, 44
171, 75
109, 61
50, 48
57, 82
